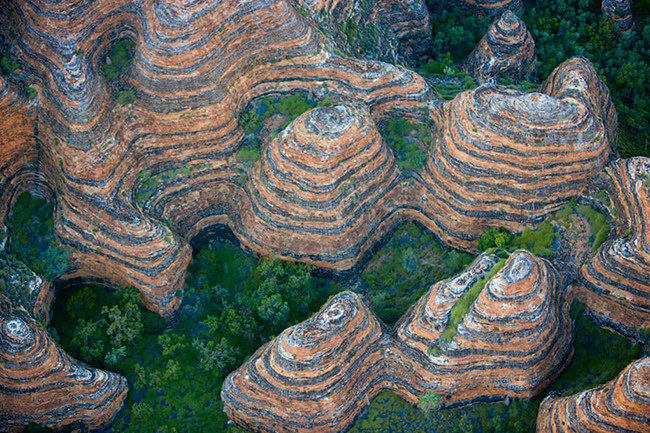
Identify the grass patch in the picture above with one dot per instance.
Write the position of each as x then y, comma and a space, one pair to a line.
466, 300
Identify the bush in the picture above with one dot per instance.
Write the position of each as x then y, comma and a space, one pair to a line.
125, 97
121, 56
410, 152
495, 237
8, 65
31, 92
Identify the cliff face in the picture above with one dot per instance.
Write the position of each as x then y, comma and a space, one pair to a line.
389, 30
622, 405
43, 385
615, 282
506, 51
318, 375
492, 8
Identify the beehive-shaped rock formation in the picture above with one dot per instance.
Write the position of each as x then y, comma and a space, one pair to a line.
622, 405
39, 383
513, 341
616, 280
620, 13
503, 157
316, 182
314, 376
318, 375
506, 51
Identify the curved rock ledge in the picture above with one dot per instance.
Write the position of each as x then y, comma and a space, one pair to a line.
506, 51
39, 383
622, 405
319, 375
615, 282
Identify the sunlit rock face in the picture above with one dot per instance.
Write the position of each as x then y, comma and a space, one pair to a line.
317, 184
615, 282
41, 384
620, 13
622, 405
506, 51
389, 30
503, 157
190, 87
319, 375
513, 341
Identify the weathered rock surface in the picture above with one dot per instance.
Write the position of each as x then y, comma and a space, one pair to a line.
39, 383
506, 51
318, 375
514, 340
23, 288
622, 405
503, 157
389, 30
616, 281
620, 13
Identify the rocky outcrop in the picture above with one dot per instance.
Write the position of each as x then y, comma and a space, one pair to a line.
389, 30
616, 286
41, 384
622, 405
506, 51
318, 375
188, 93
132, 184
619, 12
503, 157
513, 341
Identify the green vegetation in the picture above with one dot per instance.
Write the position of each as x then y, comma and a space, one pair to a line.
290, 107
404, 269
31, 92
125, 97
429, 401
232, 305
455, 32
250, 152
31, 227
539, 242
599, 356
409, 142
149, 182
121, 56
599, 226
466, 300
7, 64
369, 39
566, 28
446, 78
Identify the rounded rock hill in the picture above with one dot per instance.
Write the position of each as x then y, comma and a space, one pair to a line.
313, 192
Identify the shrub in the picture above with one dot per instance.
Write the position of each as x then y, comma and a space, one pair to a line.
121, 56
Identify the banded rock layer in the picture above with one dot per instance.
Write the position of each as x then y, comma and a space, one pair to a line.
318, 375
622, 405
491, 8
503, 157
389, 30
620, 13
41, 384
616, 282
513, 341
506, 51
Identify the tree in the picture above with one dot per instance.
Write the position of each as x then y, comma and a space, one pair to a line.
429, 402
498, 237
124, 323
